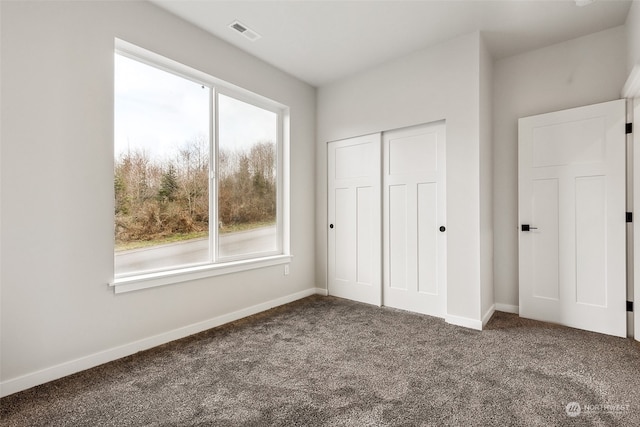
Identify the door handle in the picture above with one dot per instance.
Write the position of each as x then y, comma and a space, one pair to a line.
527, 227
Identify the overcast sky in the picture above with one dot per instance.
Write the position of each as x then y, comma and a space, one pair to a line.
160, 112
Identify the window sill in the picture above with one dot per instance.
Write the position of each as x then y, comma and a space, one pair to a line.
162, 278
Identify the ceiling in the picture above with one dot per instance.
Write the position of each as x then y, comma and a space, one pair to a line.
322, 41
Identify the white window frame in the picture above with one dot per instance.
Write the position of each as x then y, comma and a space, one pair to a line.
218, 266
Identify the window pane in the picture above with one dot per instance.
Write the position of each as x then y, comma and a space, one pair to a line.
161, 150
247, 182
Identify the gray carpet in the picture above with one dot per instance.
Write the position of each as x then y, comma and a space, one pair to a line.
326, 361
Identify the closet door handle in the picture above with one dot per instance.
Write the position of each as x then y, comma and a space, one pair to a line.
442, 228
330, 225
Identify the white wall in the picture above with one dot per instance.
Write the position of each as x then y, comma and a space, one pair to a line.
433, 84
58, 314
578, 72
486, 182
633, 36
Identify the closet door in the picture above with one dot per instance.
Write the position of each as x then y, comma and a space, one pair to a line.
414, 212
354, 246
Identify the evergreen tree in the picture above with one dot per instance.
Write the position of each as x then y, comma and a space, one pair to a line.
168, 185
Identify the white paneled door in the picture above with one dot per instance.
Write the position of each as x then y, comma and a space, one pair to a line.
572, 217
414, 212
354, 252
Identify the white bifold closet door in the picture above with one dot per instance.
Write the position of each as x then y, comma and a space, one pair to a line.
414, 214
354, 244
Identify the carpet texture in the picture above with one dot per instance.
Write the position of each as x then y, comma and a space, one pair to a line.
326, 361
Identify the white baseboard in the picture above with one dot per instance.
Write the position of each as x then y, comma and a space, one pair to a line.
471, 323
463, 321
507, 308
33, 379
488, 315
322, 291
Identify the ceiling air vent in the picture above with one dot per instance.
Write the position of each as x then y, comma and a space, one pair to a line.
244, 30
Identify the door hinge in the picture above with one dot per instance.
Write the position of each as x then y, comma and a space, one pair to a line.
629, 305
629, 128
629, 216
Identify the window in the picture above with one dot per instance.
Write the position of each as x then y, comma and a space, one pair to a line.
247, 178
198, 174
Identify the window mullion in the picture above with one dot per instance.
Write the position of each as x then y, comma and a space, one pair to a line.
279, 177
213, 176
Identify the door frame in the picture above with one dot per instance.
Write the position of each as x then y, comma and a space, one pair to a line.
631, 92
635, 139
